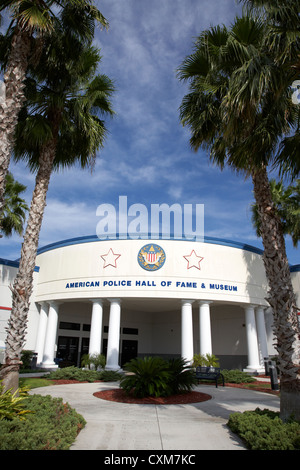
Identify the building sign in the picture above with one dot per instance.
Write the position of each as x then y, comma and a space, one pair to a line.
199, 285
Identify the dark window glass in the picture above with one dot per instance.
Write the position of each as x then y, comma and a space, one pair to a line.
130, 331
64, 325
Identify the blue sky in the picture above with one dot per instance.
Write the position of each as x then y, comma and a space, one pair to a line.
147, 156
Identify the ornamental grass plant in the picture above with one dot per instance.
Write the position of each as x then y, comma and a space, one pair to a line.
12, 405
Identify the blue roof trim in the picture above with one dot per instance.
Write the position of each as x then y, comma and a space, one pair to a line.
14, 264
295, 268
94, 238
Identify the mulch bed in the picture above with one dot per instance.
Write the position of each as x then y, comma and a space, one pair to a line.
120, 396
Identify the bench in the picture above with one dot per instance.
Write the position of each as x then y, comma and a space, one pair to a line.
209, 373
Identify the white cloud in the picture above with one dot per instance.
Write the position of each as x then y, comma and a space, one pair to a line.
67, 220
147, 154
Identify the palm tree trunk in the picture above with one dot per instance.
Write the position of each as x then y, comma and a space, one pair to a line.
281, 297
9, 109
23, 284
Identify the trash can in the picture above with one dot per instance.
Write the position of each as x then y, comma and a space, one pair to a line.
273, 375
33, 361
266, 362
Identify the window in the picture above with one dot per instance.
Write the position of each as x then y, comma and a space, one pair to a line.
69, 326
130, 331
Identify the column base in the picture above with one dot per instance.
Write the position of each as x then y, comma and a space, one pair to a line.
114, 368
50, 366
254, 370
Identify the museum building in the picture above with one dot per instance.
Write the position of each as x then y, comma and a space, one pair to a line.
136, 297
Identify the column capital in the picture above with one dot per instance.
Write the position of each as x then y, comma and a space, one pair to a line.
54, 303
100, 301
114, 299
252, 306
262, 307
187, 301
43, 303
202, 302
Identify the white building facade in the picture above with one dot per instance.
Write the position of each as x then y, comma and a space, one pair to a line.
127, 298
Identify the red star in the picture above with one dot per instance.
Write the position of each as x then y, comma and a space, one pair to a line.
110, 259
193, 260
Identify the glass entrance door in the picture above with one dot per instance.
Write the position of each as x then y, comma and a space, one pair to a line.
67, 351
129, 350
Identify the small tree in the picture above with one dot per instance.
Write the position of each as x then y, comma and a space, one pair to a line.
208, 360
95, 360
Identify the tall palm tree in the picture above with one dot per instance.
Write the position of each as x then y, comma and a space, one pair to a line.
15, 208
232, 110
287, 203
30, 20
281, 18
60, 125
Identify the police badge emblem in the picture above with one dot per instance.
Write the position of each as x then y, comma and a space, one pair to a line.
151, 257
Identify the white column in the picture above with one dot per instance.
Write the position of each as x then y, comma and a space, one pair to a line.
205, 328
262, 335
253, 356
41, 334
49, 349
187, 347
96, 327
113, 343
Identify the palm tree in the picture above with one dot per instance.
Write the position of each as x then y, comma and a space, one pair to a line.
15, 208
287, 203
282, 21
30, 21
60, 125
232, 110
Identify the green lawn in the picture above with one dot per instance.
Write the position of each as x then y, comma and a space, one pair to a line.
34, 382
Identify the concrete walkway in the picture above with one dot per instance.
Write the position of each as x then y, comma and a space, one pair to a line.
120, 426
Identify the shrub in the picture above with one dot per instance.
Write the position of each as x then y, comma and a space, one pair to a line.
153, 376
237, 376
209, 360
26, 358
93, 360
182, 377
149, 377
51, 425
264, 430
74, 373
110, 376
12, 404
84, 375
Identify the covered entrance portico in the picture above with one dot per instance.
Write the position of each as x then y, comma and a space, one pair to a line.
123, 328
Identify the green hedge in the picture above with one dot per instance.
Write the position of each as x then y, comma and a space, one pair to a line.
83, 375
264, 430
237, 376
51, 425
